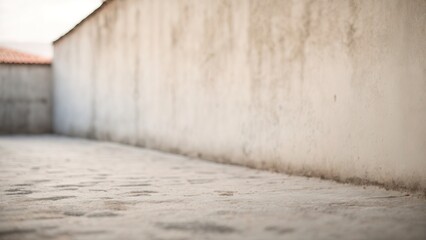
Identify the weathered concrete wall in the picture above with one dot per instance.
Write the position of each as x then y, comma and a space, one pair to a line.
25, 98
335, 89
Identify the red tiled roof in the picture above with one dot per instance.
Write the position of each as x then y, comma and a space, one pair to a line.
10, 56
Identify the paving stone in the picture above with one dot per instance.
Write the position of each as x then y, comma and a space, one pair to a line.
55, 187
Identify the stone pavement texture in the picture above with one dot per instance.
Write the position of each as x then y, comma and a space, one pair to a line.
62, 188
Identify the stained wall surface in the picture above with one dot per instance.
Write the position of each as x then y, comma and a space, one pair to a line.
25, 98
335, 89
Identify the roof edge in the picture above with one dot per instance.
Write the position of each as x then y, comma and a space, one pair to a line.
17, 63
13, 56
105, 3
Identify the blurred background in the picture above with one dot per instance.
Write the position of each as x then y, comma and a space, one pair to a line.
31, 26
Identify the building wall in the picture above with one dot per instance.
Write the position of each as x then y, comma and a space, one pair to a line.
335, 89
25, 98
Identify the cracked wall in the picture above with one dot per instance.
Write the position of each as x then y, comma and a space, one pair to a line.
333, 89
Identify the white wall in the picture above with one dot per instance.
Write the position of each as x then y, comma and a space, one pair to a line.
335, 89
25, 98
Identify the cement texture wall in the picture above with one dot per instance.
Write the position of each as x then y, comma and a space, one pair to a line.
334, 89
25, 98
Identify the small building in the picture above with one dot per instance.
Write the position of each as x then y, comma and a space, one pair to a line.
25, 93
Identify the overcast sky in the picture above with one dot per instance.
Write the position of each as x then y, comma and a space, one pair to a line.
41, 20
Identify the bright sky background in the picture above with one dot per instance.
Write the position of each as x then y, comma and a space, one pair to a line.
41, 21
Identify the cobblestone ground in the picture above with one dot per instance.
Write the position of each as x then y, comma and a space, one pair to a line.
62, 188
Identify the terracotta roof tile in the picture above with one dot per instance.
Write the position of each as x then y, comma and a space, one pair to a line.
10, 56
